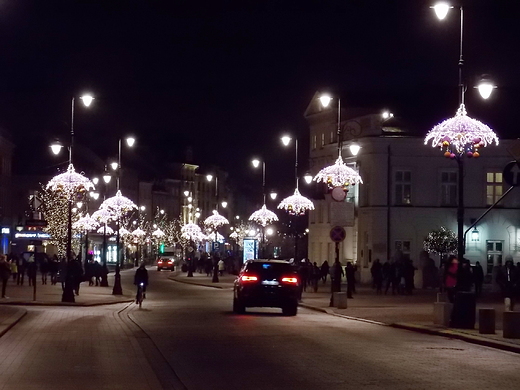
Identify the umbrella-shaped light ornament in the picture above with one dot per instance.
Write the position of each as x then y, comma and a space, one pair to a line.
70, 182
191, 231
85, 224
124, 232
158, 233
103, 216
211, 236
461, 135
234, 236
263, 216
338, 175
118, 204
216, 220
296, 204
109, 231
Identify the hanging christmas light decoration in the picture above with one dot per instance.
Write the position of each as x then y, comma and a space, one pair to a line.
139, 233
191, 232
70, 182
124, 232
118, 204
103, 216
263, 216
234, 236
296, 204
109, 231
85, 224
158, 233
216, 220
461, 135
338, 175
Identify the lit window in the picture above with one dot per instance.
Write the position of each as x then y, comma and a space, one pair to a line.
403, 187
314, 140
448, 188
322, 139
494, 187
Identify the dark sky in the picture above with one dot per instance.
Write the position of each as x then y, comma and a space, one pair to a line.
229, 77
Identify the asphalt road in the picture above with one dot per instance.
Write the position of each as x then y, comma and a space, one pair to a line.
209, 347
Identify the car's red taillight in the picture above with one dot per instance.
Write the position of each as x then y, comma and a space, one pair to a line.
248, 278
290, 280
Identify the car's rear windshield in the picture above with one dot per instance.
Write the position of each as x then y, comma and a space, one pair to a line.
270, 268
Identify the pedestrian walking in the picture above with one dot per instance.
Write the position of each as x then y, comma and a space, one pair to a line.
507, 279
14, 268
350, 273
63, 268
53, 269
391, 276
20, 261
89, 272
5, 272
324, 271
408, 275
478, 278
75, 273
221, 267
98, 272
450, 277
32, 269
377, 276
316, 276
44, 268
465, 277
208, 266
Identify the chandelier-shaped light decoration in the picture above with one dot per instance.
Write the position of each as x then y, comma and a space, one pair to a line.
139, 233
338, 175
85, 224
234, 236
461, 135
191, 232
109, 231
118, 204
216, 220
158, 233
296, 204
103, 216
263, 216
70, 182
211, 236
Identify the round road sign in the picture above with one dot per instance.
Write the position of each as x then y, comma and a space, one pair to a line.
337, 234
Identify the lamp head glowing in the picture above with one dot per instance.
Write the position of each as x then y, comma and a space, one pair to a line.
87, 100
95, 180
485, 87
441, 9
255, 162
186, 193
269, 231
56, 147
308, 178
209, 177
107, 178
273, 195
130, 141
325, 100
354, 148
114, 165
286, 140
224, 204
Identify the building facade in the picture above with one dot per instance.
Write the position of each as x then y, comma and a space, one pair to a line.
408, 190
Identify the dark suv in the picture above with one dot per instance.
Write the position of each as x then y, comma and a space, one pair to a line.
266, 283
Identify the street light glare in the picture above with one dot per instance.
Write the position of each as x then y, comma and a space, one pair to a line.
209, 177
273, 195
224, 204
186, 193
107, 178
269, 231
87, 100
308, 178
56, 148
441, 9
95, 180
130, 141
485, 88
286, 140
354, 149
325, 100
114, 165
256, 163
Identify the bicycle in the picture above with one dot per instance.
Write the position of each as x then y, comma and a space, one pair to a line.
140, 296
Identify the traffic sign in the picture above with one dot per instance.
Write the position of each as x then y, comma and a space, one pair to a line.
337, 234
512, 174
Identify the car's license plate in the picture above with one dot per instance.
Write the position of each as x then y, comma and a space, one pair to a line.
270, 283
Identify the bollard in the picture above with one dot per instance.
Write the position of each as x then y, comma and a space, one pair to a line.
486, 321
511, 324
339, 300
442, 313
464, 310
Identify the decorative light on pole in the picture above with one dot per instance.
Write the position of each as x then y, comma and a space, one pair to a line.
263, 217
119, 206
69, 183
215, 221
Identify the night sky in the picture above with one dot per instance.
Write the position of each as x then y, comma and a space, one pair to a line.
229, 77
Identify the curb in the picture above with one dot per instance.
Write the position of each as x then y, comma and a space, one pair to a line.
174, 278
12, 321
78, 304
426, 330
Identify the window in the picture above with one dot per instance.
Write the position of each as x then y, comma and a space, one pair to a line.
403, 187
314, 140
322, 139
332, 137
494, 188
405, 247
448, 188
312, 216
319, 207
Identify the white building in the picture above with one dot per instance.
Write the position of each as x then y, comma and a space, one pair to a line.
408, 190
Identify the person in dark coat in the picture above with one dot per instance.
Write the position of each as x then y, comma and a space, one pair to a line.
465, 277
350, 273
507, 280
90, 272
478, 278
63, 268
21, 270
44, 268
316, 276
141, 276
98, 272
75, 273
324, 271
53, 269
377, 276
32, 269
5, 272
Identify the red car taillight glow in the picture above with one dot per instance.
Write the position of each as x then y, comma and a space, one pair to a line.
291, 280
248, 278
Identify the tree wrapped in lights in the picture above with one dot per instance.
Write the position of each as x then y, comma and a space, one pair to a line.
461, 135
338, 175
54, 207
441, 241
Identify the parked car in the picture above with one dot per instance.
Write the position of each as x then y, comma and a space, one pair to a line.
267, 283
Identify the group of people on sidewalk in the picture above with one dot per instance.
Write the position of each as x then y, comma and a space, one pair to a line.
311, 274
17, 267
395, 275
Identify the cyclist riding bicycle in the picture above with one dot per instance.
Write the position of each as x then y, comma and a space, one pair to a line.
141, 277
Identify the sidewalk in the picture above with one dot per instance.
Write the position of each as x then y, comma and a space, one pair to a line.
413, 312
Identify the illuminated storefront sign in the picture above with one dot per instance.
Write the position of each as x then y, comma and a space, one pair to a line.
32, 235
